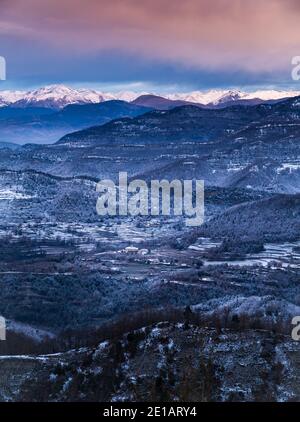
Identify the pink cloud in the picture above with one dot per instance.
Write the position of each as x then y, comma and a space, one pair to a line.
258, 35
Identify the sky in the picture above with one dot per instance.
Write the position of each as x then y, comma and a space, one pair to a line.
150, 44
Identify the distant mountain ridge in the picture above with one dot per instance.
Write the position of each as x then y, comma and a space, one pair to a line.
160, 103
47, 125
193, 123
59, 96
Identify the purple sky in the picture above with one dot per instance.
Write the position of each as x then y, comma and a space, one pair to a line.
143, 44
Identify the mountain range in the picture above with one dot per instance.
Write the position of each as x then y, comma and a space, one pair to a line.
245, 147
47, 114
59, 96
193, 123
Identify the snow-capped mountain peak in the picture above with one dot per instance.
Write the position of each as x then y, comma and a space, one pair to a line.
58, 96
228, 96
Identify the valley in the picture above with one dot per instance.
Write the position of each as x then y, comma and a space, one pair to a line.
88, 297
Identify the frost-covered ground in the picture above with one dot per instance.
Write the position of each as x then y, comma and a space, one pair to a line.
164, 362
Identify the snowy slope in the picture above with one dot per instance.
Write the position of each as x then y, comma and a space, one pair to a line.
10, 97
58, 96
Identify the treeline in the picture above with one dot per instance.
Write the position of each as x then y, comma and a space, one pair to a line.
18, 343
